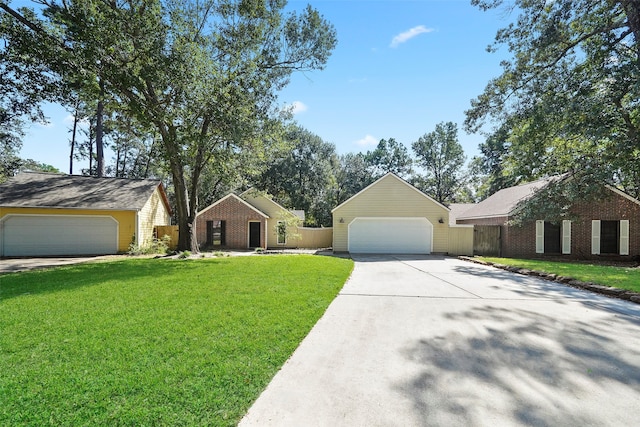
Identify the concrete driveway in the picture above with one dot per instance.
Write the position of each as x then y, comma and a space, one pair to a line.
429, 341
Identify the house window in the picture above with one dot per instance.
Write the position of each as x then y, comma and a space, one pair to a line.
610, 237
553, 238
282, 232
216, 233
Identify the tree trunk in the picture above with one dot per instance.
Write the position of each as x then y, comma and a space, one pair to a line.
100, 171
73, 139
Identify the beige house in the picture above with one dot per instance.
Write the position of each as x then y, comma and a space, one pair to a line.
251, 220
392, 216
47, 214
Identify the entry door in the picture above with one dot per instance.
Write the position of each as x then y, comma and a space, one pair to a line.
254, 234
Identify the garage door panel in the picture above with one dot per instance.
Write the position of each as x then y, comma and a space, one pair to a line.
35, 235
390, 235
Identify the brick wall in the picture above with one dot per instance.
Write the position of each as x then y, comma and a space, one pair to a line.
236, 216
521, 241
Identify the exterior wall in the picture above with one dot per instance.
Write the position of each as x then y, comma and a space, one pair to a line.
520, 242
391, 197
461, 240
313, 238
276, 213
153, 213
236, 216
126, 220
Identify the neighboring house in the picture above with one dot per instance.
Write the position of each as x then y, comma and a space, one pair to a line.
253, 220
392, 216
609, 226
46, 214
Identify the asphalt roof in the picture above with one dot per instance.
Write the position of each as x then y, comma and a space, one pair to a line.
503, 202
50, 190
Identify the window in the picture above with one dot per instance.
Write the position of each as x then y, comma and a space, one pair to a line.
553, 238
216, 233
282, 232
610, 237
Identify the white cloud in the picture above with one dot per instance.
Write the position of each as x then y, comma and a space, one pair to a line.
409, 34
69, 120
298, 107
367, 141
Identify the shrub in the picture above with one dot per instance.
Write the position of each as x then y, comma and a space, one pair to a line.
155, 246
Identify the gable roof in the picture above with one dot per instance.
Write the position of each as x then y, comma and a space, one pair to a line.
504, 202
254, 194
233, 196
389, 175
51, 190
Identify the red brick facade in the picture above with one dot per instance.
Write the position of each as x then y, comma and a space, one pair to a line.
520, 242
237, 216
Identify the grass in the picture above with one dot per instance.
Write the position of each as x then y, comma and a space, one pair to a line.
154, 342
617, 277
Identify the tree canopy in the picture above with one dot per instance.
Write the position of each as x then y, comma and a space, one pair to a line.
567, 100
203, 74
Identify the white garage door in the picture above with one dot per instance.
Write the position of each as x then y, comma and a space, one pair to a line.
40, 235
390, 235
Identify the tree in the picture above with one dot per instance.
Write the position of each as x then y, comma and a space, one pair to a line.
302, 178
24, 84
353, 174
389, 156
567, 101
204, 74
442, 157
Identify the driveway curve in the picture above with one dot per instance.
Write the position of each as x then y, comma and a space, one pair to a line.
435, 341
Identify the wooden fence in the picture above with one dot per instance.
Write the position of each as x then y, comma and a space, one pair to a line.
486, 240
313, 238
461, 240
168, 230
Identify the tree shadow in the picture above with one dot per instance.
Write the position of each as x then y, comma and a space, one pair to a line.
69, 277
532, 368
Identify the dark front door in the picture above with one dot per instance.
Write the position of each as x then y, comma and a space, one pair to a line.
254, 234
609, 237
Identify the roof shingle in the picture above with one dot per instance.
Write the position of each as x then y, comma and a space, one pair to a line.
49, 190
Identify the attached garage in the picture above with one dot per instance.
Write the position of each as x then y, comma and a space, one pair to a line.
390, 235
392, 216
42, 235
46, 214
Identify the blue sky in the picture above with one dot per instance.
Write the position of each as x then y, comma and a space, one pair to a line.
400, 68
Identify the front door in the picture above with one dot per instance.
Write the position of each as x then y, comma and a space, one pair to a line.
254, 234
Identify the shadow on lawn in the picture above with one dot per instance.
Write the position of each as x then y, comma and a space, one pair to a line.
531, 368
70, 277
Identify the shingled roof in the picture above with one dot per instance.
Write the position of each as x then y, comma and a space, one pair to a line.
504, 202
50, 190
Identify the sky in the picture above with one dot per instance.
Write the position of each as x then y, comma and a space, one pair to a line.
400, 68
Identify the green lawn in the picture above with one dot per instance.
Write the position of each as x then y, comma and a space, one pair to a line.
618, 277
154, 342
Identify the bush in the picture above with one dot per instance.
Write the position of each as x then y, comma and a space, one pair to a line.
155, 246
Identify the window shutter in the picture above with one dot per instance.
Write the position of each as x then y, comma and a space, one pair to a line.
624, 237
539, 237
566, 237
595, 237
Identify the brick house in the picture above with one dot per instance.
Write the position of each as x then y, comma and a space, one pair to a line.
608, 227
253, 220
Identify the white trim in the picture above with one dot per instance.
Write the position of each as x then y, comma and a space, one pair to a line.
539, 236
244, 202
566, 237
400, 180
138, 229
624, 237
7, 216
595, 237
